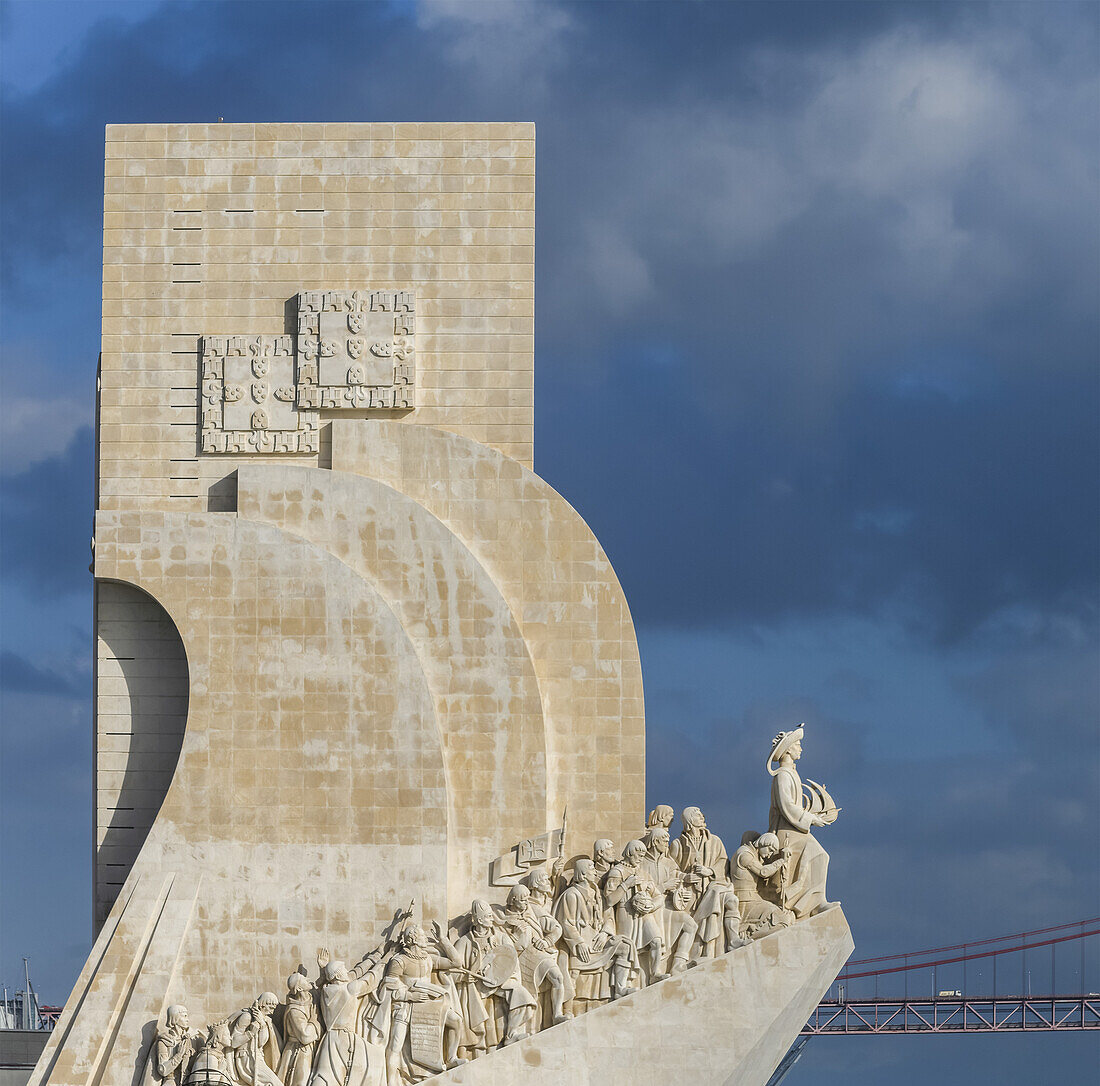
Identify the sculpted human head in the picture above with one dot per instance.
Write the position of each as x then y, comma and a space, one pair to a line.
481, 913
584, 871
603, 850
176, 1017
767, 844
297, 984
539, 880
633, 852
657, 840
517, 899
334, 972
219, 1036
661, 815
415, 936
267, 1002
693, 819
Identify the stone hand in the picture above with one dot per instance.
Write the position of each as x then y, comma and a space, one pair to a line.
323, 956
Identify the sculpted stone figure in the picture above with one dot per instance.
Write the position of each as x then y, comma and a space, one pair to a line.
301, 1032
541, 884
535, 934
754, 866
794, 812
212, 1065
255, 1044
620, 893
494, 1005
668, 929
344, 1057
603, 856
411, 997
701, 855
173, 1047
592, 953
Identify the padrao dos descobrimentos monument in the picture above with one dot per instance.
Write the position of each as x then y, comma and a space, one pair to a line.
369, 740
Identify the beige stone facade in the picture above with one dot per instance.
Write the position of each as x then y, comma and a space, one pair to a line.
214, 230
352, 650
397, 655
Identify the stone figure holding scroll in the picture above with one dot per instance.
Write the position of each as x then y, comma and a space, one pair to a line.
595, 957
425, 1030
796, 810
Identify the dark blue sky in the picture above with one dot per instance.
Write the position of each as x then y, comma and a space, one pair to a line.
816, 357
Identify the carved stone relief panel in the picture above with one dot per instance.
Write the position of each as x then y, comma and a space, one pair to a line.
248, 397
355, 349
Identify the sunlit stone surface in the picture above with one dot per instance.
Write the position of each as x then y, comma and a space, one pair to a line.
368, 689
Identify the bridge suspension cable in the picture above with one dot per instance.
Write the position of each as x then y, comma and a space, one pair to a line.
965, 957
1019, 937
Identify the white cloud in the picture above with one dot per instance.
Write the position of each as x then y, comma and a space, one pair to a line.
508, 41
40, 410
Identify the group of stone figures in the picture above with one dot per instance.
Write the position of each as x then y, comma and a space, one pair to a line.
421, 1003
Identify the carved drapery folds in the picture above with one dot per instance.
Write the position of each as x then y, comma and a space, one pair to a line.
569, 937
353, 351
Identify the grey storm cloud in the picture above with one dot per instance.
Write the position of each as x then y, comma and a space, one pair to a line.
839, 271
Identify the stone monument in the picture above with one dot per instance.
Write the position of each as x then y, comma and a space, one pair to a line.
367, 688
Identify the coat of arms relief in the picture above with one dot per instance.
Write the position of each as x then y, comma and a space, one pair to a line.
353, 351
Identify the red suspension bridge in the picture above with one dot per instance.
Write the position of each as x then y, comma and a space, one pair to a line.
962, 989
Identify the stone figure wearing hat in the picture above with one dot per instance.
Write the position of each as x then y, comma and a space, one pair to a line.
796, 810
213, 1062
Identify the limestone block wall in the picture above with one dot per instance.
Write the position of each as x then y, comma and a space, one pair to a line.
212, 229
563, 592
142, 690
475, 661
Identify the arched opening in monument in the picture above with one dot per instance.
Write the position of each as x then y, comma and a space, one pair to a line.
141, 713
